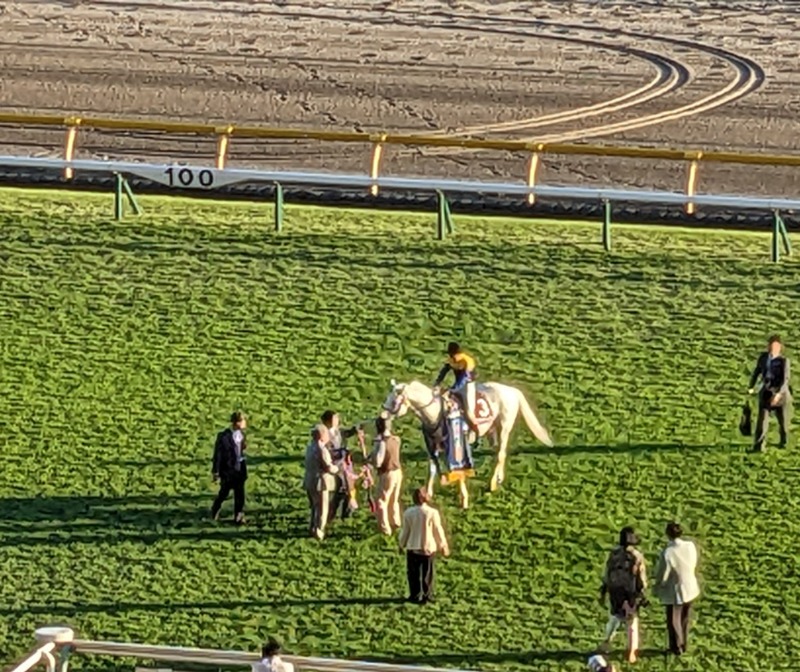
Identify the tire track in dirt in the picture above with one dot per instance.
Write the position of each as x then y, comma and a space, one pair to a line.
748, 76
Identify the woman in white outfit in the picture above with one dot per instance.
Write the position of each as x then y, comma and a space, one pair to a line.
271, 660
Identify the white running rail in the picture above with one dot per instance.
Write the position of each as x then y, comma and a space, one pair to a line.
61, 641
209, 178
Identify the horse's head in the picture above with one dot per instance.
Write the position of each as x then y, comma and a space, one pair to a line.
396, 403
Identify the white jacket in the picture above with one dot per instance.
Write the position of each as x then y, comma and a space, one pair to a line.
676, 573
274, 664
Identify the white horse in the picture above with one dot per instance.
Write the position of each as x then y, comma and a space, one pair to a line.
496, 409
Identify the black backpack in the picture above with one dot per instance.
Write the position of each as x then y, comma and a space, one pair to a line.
621, 575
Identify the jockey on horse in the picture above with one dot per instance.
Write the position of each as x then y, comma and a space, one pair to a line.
463, 367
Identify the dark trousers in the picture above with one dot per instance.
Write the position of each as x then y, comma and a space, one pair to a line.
233, 482
340, 501
678, 627
420, 576
762, 424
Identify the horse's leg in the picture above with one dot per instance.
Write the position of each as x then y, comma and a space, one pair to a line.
503, 433
464, 494
502, 454
433, 471
494, 434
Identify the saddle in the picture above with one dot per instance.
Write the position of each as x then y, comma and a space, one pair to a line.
482, 412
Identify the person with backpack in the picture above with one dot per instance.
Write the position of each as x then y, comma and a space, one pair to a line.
624, 582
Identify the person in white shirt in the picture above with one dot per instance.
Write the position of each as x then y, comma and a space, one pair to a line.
271, 660
677, 585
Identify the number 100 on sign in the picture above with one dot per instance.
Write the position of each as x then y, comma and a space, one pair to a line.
189, 178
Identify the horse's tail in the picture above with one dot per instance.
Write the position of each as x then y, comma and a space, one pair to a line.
533, 422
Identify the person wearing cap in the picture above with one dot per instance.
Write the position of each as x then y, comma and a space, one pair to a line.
271, 660
677, 585
229, 467
319, 481
624, 582
422, 537
463, 367
386, 458
773, 369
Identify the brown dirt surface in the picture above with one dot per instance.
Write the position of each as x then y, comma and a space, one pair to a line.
482, 68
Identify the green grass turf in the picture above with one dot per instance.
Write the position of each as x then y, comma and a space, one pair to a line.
126, 345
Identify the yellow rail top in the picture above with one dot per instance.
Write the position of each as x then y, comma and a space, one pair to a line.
409, 140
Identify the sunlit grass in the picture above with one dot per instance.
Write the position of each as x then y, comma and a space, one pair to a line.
126, 345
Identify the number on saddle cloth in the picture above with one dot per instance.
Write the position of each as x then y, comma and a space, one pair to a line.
459, 452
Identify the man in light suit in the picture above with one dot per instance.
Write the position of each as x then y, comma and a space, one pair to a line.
230, 468
775, 397
422, 537
677, 586
319, 481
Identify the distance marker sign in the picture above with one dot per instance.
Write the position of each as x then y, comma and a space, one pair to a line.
187, 177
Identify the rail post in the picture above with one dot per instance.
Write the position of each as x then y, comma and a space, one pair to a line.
118, 196
375, 165
63, 658
691, 181
606, 225
780, 236
69, 144
444, 220
533, 171
123, 189
223, 140
278, 207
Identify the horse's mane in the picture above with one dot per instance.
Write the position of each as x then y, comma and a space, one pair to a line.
418, 384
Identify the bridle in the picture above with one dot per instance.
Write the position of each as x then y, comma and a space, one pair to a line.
402, 398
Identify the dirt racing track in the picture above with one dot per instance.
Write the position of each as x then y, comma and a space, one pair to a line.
678, 74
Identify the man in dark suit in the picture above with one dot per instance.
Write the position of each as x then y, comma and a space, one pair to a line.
230, 468
774, 397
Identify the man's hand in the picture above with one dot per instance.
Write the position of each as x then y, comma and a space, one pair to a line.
446, 552
776, 399
752, 390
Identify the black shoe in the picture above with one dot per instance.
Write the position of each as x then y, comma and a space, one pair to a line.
413, 600
756, 449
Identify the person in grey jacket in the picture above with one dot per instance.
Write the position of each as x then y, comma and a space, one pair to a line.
677, 586
319, 481
775, 397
